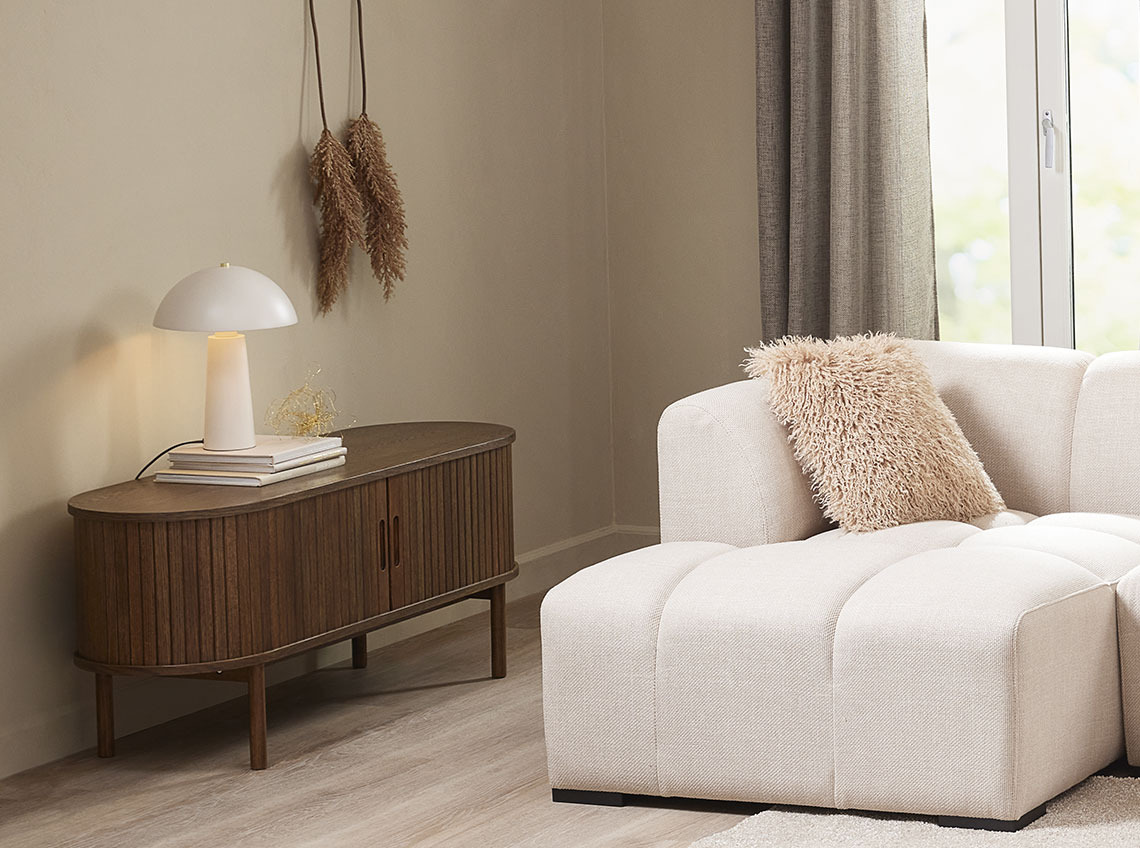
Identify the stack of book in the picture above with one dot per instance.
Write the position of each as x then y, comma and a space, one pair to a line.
271, 460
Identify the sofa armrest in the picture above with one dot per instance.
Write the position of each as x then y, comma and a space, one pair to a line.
727, 473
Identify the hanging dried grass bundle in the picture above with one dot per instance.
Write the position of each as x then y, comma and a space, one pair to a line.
385, 236
385, 229
339, 200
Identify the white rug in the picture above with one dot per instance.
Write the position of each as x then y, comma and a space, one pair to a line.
1102, 811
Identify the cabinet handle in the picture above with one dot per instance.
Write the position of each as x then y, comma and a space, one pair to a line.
396, 541
383, 545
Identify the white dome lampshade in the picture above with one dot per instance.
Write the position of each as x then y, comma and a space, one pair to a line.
225, 298
224, 301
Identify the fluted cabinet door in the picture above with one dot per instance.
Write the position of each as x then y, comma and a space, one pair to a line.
162, 593
375, 532
451, 526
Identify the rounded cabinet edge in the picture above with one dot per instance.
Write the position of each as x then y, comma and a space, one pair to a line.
76, 509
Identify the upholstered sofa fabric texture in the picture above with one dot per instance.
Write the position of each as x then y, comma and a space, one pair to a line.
866, 424
970, 669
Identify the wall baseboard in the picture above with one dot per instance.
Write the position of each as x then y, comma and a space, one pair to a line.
653, 533
145, 702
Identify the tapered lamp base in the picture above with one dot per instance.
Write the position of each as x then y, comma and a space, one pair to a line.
229, 404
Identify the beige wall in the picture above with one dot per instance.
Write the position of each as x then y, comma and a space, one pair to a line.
681, 199
143, 139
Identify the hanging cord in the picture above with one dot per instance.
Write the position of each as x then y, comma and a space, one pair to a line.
363, 76
168, 450
317, 50
341, 211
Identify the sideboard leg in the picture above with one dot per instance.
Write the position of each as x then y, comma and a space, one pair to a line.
258, 759
499, 630
105, 715
360, 651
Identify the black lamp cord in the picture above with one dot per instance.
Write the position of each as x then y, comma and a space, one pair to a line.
166, 451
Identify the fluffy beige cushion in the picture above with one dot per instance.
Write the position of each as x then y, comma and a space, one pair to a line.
867, 426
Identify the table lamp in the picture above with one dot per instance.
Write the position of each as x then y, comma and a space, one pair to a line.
224, 301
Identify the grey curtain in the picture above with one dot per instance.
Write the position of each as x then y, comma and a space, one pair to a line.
843, 155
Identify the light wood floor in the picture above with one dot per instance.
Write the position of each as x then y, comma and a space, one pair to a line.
421, 748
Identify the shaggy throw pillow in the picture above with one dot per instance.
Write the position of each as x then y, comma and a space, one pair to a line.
867, 426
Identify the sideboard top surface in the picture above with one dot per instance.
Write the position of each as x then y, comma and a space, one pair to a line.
374, 452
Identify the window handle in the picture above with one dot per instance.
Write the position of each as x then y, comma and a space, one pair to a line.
1050, 132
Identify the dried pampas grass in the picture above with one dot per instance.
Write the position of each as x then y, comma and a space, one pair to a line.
868, 427
385, 230
355, 186
341, 210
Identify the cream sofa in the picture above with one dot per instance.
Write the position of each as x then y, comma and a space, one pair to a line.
967, 671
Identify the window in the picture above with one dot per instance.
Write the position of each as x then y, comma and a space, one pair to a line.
1104, 118
969, 168
1034, 124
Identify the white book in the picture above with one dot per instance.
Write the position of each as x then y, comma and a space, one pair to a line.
259, 467
269, 450
243, 478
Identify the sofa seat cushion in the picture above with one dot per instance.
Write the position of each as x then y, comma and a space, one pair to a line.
931, 667
599, 648
1127, 609
975, 681
1124, 526
744, 663
905, 538
1107, 555
925, 535
1006, 518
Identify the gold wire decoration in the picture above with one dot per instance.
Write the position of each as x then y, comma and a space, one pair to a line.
308, 410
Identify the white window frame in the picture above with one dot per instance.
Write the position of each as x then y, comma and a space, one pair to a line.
1040, 198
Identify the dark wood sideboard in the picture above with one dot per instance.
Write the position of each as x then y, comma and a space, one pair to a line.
215, 581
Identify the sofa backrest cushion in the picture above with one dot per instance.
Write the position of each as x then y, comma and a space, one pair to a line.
1106, 437
1017, 405
728, 474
